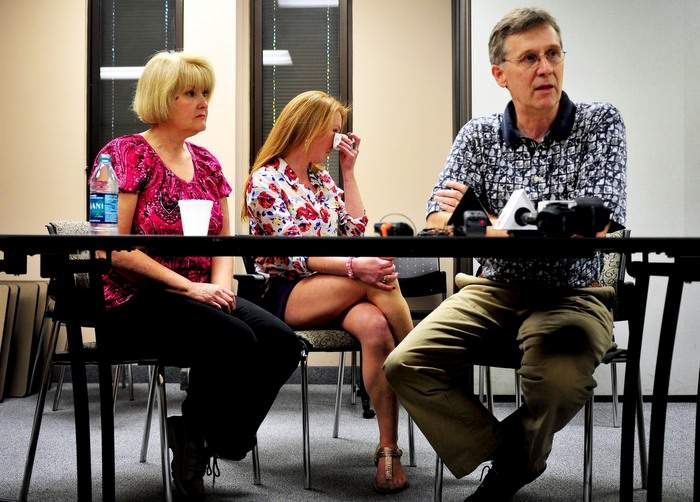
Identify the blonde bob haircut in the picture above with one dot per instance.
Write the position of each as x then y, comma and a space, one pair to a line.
166, 75
305, 117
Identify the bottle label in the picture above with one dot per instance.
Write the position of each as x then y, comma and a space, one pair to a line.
103, 208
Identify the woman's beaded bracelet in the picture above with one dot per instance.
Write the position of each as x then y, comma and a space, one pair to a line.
348, 267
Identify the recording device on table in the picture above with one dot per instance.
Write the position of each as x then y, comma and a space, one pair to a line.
469, 218
393, 228
584, 216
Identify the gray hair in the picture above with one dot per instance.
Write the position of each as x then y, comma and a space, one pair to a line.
517, 21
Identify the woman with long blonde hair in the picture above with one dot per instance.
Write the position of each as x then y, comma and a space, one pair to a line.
289, 193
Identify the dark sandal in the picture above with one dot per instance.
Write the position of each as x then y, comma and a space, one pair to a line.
389, 454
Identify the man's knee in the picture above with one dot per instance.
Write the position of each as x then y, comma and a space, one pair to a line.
559, 381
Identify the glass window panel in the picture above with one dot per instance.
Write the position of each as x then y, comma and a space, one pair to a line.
312, 37
130, 32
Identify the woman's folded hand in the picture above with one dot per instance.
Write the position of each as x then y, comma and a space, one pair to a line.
377, 271
212, 294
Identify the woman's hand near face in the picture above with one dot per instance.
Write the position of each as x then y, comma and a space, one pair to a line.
378, 272
349, 150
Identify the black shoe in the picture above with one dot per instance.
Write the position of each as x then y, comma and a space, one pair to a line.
233, 451
499, 485
190, 460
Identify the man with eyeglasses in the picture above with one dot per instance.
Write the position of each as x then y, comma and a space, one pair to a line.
549, 316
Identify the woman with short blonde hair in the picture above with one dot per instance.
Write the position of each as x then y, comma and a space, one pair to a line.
181, 310
165, 74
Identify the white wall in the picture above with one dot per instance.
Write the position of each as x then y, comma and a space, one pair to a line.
691, 66
642, 56
210, 30
402, 102
43, 47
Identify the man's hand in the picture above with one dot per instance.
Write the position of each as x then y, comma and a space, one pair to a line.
448, 198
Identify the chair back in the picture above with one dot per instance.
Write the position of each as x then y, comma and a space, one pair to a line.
75, 279
249, 264
421, 277
613, 274
613, 271
251, 285
68, 227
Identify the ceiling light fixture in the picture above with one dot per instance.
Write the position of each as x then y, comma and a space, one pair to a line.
306, 3
120, 72
276, 58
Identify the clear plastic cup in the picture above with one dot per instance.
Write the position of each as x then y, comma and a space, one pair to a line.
195, 215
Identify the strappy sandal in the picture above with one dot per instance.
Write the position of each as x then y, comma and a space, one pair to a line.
389, 454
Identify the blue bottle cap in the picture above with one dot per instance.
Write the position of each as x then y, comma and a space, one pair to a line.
105, 157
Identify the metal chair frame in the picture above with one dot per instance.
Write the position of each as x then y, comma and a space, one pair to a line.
418, 278
62, 359
92, 356
143, 457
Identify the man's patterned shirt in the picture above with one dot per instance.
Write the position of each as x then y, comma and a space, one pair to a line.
584, 154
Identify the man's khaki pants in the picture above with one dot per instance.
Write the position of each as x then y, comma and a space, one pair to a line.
560, 337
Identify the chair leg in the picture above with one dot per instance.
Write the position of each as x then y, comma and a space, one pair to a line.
104, 370
437, 489
613, 389
339, 393
81, 419
353, 377
59, 387
123, 381
45, 320
256, 464
115, 385
482, 377
305, 419
159, 381
411, 443
367, 411
130, 380
641, 434
61, 372
153, 372
38, 415
588, 451
489, 390
518, 390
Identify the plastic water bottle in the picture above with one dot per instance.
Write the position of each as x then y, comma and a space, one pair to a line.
104, 194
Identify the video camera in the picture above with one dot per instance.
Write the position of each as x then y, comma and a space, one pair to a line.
393, 228
584, 216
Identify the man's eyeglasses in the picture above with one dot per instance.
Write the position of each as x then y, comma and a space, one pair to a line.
530, 60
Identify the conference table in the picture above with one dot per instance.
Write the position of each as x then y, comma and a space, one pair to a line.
676, 258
